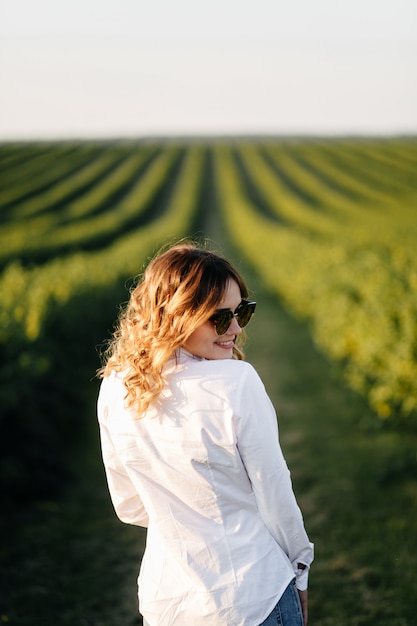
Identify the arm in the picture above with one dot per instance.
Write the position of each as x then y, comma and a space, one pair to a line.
125, 498
303, 595
261, 454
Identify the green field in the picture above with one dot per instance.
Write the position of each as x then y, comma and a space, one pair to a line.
325, 232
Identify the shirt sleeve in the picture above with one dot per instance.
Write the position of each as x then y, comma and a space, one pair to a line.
125, 498
259, 448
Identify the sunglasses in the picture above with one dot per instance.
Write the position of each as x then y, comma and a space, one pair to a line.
223, 318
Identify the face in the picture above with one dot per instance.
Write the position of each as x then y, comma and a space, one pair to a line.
204, 341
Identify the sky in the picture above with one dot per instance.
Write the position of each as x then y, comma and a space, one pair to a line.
130, 68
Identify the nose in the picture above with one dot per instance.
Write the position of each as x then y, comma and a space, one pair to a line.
234, 328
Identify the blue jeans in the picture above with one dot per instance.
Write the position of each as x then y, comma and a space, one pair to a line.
288, 610
286, 613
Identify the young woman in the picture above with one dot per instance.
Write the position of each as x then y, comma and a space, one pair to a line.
190, 447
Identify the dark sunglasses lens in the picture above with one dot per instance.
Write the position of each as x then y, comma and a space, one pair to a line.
223, 322
244, 314
223, 319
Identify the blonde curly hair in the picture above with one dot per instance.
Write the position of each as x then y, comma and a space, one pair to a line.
179, 290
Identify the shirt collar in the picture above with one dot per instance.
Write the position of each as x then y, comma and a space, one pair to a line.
183, 356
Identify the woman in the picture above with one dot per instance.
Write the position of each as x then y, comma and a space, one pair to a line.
190, 447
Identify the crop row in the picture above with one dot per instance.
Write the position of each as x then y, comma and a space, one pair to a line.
101, 214
352, 274
79, 220
27, 292
330, 225
54, 315
37, 175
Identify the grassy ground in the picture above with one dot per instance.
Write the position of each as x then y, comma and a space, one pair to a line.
357, 493
72, 562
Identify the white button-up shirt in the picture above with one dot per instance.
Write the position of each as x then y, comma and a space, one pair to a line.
204, 471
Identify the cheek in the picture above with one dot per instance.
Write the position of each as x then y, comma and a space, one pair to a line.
205, 334
202, 337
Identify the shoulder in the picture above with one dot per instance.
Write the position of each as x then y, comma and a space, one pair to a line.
111, 388
239, 368
111, 404
228, 370
111, 381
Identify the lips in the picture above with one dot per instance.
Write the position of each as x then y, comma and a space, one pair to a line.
225, 344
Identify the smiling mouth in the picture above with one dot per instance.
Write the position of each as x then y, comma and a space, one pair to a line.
229, 343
